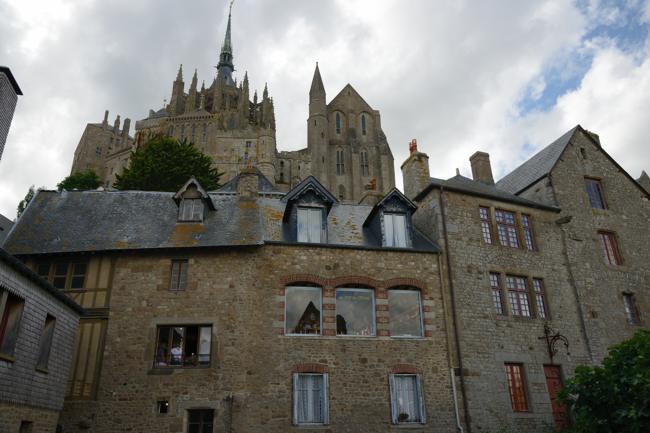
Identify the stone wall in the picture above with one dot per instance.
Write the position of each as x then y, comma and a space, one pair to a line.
251, 358
13, 415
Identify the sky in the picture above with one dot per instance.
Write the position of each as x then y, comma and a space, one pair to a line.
504, 77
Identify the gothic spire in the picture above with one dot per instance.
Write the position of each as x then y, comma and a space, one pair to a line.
317, 83
179, 76
225, 66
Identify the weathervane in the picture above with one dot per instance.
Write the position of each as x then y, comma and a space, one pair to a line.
552, 340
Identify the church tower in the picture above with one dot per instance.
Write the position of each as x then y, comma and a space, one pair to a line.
317, 128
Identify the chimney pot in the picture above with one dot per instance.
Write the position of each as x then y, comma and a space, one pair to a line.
413, 146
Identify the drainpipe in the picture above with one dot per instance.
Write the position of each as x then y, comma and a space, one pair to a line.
453, 312
453, 390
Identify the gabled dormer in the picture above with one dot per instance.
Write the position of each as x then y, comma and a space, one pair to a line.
391, 220
305, 214
193, 202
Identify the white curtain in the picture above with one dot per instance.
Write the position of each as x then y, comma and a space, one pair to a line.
310, 406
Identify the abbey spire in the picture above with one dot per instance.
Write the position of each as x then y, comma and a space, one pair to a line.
226, 67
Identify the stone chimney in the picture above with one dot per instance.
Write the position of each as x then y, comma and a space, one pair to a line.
415, 171
248, 185
105, 122
371, 198
125, 128
481, 168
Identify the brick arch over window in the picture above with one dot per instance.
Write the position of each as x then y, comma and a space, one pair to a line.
405, 283
310, 367
311, 279
405, 369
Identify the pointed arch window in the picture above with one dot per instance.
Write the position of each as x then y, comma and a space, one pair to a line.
363, 124
204, 133
338, 123
365, 169
182, 132
340, 162
193, 139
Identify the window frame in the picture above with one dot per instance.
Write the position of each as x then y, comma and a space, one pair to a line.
374, 311
45, 343
324, 396
518, 292
407, 237
364, 129
598, 189
182, 364
420, 312
632, 316
497, 293
323, 219
202, 423
70, 274
175, 283
419, 392
340, 162
18, 303
521, 397
337, 123
486, 225
509, 228
541, 298
605, 253
194, 216
286, 294
528, 234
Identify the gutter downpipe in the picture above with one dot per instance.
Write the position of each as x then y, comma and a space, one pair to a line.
454, 319
453, 390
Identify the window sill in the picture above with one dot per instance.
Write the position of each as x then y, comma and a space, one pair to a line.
413, 425
161, 371
8, 358
42, 370
354, 337
311, 426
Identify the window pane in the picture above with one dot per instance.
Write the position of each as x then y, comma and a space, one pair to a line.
10, 324
205, 339
518, 296
609, 248
191, 346
540, 299
162, 348
303, 310
355, 312
405, 313
314, 225
303, 225
43, 270
310, 398
389, 229
516, 387
528, 232
630, 309
46, 342
399, 230
594, 191
309, 224
406, 398
177, 345
495, 284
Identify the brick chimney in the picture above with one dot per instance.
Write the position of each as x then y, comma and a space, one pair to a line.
481, 168
248, 185
415, 171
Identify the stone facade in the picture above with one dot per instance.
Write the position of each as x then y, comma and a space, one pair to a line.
346, 149
31, 393
9, 92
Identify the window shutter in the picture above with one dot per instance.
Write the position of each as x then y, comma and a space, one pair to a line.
325, 393
393, 398
420, 395
296, 398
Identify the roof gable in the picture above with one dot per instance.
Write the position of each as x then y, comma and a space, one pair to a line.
310, 189
394, 201
193, 184
343, 98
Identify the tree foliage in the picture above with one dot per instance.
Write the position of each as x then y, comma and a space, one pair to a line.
614, 398
82, 180
165, 164
24, 202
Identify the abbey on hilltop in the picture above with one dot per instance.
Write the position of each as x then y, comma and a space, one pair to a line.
346, 148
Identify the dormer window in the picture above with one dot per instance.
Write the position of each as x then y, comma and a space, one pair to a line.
310, 224
191, 209
395, 230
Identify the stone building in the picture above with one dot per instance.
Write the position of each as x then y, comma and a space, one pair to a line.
9, 92
37, 332
530, 257
246, 309
346, 148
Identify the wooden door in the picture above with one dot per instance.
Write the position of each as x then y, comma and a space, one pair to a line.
554, 385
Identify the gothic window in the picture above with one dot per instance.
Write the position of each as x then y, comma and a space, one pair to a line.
609, 248
405, 313
406, 399
363, 124
183, 346
310, 398
365, 170
338, 123
193, 139
310, 224
355, 312
517, 387
204, 133
303, 307
10, 321
340, 162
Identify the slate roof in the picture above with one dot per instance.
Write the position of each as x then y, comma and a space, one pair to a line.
5, 226
20, 267
87, 221
465, 185
538, 166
